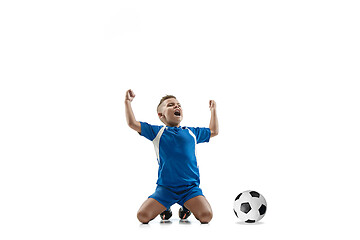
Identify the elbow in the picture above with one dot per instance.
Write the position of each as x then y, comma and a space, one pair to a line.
132, 125
214, 133
135, 126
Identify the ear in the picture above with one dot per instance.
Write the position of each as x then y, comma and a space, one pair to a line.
160, 115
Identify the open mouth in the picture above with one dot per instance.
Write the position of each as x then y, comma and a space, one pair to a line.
177, 113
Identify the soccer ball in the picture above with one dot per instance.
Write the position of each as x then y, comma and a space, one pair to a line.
250, 206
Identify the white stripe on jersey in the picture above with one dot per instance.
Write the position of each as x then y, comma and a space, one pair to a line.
156, 142
193, 135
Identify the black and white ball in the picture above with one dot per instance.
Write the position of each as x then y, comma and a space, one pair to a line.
250, 206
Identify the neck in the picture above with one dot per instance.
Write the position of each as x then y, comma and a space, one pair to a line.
172, 125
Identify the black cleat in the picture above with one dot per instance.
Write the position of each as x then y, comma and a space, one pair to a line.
184, 213
165, 215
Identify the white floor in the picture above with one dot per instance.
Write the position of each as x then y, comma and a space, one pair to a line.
116, 225
227, 226
222, 228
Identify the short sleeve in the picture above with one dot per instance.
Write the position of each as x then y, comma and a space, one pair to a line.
201, 134
149, 131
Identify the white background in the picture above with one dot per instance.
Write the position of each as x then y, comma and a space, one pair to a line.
284, 74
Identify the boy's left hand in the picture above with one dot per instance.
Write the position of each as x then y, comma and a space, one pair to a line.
212, 105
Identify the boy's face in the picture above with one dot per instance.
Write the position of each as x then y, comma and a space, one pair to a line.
170, 112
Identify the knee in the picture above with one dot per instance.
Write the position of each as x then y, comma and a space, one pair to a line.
143, 217
205, 217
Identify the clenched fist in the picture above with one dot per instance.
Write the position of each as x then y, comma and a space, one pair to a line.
130, 95
212, 105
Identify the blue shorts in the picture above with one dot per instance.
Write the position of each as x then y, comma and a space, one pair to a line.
169, 196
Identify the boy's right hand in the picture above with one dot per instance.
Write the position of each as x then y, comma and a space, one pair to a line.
130, 118
130, 95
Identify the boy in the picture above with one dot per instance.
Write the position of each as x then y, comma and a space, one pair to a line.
178, 175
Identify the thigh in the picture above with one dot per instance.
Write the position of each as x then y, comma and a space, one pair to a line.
198, 206
151, 208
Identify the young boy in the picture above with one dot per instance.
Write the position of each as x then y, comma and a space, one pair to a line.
178, 175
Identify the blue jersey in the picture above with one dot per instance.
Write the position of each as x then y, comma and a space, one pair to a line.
176, 153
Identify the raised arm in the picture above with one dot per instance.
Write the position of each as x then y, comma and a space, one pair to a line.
130, 117
214, 125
